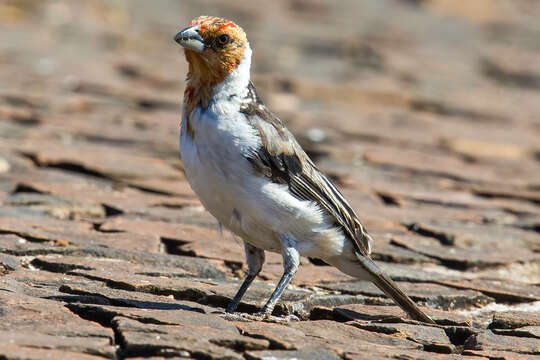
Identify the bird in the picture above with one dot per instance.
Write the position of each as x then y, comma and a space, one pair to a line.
251, 174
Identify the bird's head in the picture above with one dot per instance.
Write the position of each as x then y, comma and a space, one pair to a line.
214, 47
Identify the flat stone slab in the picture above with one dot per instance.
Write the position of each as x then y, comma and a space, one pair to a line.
466, 258
100, 159
85, 345
63, 233
507, 290
525, 331
487, 340
13, 352
209, 339
432, 338
392, 314
106, 259
432, 294
316, 354
410, 109
514, 319
322, 334
504, 355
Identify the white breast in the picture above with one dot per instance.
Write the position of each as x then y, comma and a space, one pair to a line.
250, 205
217, 168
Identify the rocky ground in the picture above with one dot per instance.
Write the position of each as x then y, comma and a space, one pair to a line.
425, 113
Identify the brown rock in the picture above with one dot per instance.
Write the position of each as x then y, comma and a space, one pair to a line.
173, 187
108, 260
55, 207
103, 160
314, 354
211, 338
394, 313
323, 335
20, 328
7, 262
466, 258
86, 345
343, 337
435, 295
482, 149
190, 239
502, 290
505, 193
475, 234
95, 191
279, 336
432, 338
408, 354
388, 252
104, 247
16, 352
433, 165
493, 354
421, 273
183, 357
116, 297
525, 331
215, 292
486, 340
77, 233
514, 319
308, 275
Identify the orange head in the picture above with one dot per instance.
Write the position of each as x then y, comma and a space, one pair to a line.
213, 46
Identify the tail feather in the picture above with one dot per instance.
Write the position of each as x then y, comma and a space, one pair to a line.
389, 287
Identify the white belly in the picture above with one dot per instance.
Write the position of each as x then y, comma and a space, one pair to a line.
219, 174
248, 204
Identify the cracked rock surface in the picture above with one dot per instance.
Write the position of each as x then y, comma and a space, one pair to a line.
425, 113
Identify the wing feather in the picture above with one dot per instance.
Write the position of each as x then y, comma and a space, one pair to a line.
281, 159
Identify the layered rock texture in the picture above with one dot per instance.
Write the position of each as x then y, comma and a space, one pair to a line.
426, 113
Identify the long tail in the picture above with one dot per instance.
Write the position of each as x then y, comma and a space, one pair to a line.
389, 287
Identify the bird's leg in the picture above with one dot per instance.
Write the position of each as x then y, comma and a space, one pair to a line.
291, 261
255, 261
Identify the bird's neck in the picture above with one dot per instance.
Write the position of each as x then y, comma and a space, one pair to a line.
204, 85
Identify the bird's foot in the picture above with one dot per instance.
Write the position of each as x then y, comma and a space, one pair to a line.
260, 316
281, 319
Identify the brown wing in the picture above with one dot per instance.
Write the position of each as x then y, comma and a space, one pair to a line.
285, 162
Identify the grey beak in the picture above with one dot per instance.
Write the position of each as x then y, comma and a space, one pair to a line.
190, 38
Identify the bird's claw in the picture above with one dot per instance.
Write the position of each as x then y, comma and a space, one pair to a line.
259, 316
282, 319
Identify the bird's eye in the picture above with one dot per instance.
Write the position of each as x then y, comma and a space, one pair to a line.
223, 39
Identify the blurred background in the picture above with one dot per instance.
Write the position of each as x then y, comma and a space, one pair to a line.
420, 72
437, 75
426, 112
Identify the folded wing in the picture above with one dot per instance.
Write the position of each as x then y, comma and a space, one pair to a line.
285, 162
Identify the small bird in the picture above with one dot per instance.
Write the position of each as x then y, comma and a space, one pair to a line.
250, 173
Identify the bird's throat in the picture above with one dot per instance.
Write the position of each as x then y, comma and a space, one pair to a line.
208, 76
202, 78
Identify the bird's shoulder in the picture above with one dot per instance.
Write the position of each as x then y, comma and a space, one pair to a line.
281, 159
